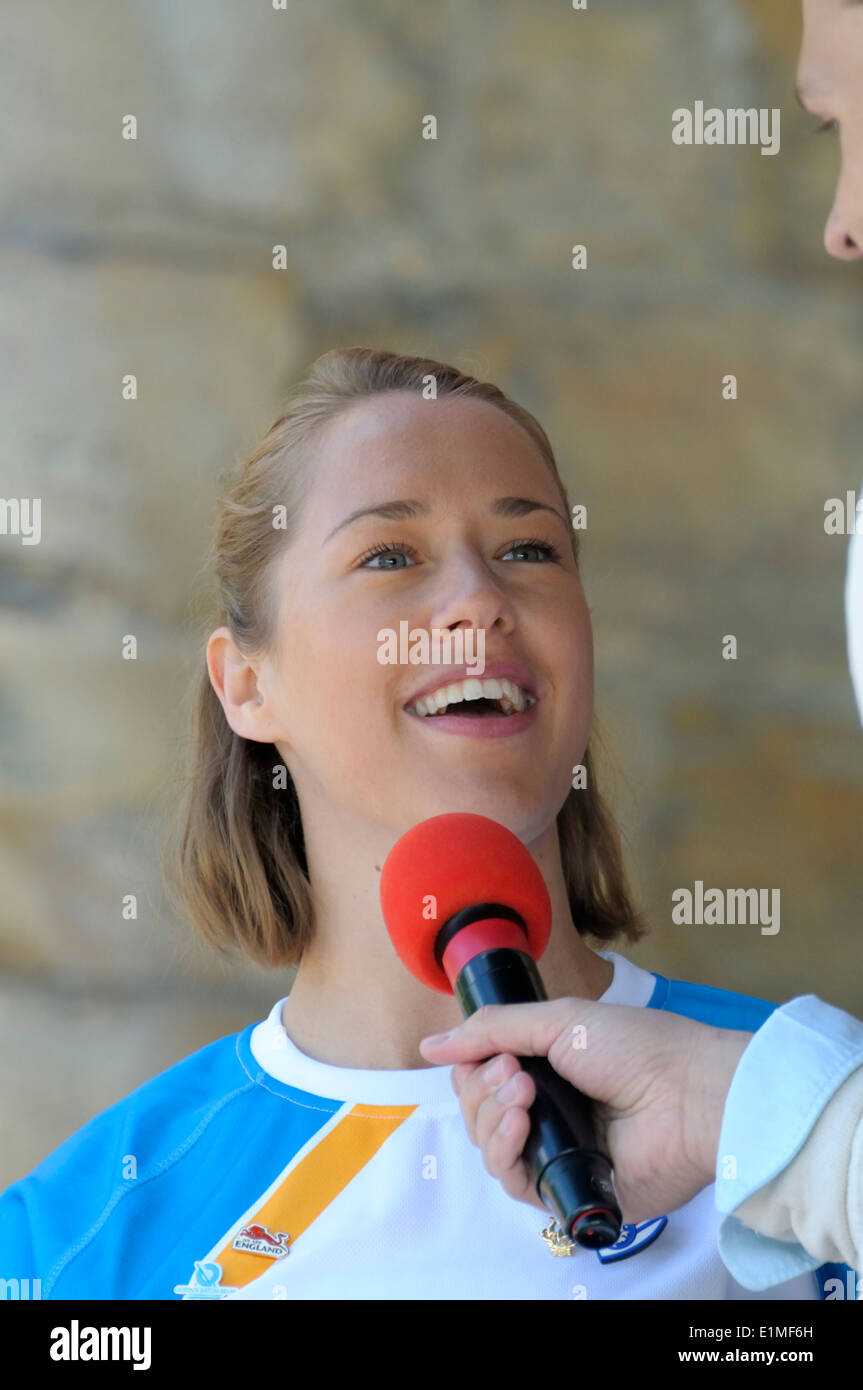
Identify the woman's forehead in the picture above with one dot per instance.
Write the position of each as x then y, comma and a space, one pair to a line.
449, 442
408, 413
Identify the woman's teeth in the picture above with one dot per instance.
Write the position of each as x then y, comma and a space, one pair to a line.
509, 697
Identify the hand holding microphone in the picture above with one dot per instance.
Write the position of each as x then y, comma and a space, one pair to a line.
468, 913
659, 1082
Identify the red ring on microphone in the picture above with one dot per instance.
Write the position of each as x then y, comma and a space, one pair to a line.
491, 934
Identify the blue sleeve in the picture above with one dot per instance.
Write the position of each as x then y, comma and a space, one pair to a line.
794, 1064
101, 1216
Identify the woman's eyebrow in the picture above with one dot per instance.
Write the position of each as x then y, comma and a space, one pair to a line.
403, 508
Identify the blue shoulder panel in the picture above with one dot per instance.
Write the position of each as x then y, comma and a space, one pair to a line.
91, 1221
721, 1008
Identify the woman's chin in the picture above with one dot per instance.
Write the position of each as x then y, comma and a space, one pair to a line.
525, 813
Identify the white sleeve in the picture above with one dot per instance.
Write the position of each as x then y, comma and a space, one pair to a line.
854, 608
784, 1216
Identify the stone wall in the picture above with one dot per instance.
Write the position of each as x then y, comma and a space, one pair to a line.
153, 256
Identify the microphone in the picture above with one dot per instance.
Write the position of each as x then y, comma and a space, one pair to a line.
468, 913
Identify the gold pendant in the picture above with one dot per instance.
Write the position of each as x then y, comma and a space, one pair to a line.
557, 1242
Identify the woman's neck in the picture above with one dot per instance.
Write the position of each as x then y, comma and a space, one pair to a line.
353, 1003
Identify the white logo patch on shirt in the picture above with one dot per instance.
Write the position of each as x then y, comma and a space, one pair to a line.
632, 1239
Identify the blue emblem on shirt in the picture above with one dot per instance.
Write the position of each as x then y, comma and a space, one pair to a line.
632, 1239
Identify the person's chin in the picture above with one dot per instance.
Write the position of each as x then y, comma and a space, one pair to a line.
523, 811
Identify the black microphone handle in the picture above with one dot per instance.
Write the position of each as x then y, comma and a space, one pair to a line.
571, 1176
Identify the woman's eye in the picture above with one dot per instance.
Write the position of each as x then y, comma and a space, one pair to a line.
387, 556
548, 552
386, 553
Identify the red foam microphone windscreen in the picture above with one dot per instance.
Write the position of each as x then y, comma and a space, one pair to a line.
448, 863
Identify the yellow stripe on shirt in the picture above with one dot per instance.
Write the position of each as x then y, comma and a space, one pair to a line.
314, 1183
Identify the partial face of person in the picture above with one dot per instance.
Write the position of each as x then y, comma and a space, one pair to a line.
409, 518
830, 86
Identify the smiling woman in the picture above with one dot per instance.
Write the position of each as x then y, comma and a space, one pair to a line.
315, 1155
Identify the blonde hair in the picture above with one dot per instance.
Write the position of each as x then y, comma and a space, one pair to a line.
235, 859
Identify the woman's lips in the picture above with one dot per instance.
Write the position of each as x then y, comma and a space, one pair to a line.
479, 725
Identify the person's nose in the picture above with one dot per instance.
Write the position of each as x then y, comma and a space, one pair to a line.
839, 240
471, 597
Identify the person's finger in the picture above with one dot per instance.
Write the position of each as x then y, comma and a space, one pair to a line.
502, 1155
476, 1089
493, 1105
526, 1029
486, 1102
460, 1072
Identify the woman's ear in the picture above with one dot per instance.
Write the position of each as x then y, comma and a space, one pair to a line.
235, 681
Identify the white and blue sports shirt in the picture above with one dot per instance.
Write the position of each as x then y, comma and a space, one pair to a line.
249, 1170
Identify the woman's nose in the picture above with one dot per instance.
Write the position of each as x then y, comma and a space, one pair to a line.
839, 241
473, 597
